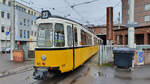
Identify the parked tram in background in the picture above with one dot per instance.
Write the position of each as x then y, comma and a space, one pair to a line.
62, 45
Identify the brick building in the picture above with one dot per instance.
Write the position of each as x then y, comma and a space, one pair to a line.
142, 17
142, 12
142, 36
100, 31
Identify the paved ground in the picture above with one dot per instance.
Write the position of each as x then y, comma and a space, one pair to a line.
89, 73
7, 65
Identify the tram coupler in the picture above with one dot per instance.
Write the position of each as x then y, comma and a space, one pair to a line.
40, 74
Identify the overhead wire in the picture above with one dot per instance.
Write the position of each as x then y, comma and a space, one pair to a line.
76, 11
83, 3
101, 19
73, 9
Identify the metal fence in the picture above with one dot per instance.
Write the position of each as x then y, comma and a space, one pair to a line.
106, 52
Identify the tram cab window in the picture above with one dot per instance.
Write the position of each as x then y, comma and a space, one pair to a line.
59, 38
69, 35
45, 35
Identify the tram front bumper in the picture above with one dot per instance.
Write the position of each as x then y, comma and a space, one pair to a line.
40, 73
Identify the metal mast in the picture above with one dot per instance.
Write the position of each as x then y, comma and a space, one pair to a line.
12, 28
131, 29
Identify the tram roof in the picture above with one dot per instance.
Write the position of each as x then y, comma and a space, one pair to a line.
60, 17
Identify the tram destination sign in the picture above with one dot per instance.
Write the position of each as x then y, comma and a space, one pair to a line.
45, 14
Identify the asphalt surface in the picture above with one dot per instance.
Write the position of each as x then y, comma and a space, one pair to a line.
89, 73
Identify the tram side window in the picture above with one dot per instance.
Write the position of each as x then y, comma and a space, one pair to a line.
95, 41
83, 38
69, 35
86, 39
59, 38
89, 39
75, 37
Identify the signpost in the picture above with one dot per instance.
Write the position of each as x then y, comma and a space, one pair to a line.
7, 33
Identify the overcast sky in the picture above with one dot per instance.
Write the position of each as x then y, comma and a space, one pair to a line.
94, 13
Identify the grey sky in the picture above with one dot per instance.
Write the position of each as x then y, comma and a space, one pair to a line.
94, 13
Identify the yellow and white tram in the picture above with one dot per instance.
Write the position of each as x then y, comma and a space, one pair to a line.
62, 45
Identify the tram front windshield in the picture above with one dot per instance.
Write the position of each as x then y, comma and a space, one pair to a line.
45, 35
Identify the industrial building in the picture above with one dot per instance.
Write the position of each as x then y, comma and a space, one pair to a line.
142, 18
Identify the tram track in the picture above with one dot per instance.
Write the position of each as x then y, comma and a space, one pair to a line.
6, 74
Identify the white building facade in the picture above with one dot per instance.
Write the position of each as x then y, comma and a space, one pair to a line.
25, 28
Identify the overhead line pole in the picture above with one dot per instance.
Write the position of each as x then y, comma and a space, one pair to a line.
12, 29
131, 29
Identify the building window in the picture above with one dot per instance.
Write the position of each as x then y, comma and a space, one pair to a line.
147, 7
24, 10
2, 29
8, 16
147, 18
139, 39
120, 40
32, 22
28, 22
17, 7
4, 1
20, 33
148, 38
24, 22
28, 34
32, 33
20, 23
31, 12
24, 33
9, 3
35, 34
2, 14
34, 13
28, 11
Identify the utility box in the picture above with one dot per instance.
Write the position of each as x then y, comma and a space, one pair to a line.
123, 57
18, 55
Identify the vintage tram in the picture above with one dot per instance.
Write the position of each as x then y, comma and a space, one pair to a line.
62, 45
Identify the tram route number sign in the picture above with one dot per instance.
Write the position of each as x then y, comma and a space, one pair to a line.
45, 14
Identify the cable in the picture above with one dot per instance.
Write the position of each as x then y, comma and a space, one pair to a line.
83, 3
76, 11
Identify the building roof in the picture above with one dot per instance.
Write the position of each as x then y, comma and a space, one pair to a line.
27, 6
125, 28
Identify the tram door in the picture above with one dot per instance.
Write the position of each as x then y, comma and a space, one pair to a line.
70, 43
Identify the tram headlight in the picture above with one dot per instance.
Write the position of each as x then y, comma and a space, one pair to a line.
43, 57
